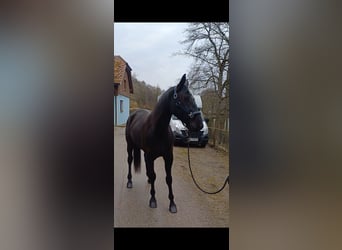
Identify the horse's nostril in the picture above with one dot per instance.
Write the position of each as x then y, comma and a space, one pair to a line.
196, 125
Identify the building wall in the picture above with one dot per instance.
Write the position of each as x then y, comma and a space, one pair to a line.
121, 109
122, 91
124, 86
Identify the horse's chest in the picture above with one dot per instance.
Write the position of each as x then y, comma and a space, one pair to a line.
156, 144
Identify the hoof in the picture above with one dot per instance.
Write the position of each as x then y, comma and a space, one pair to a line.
129, 184
153, 203
173, 208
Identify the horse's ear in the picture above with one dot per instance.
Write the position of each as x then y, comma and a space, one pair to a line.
181, 83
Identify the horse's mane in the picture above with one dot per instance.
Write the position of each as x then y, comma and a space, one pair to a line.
164, 98
166, 94
160, 111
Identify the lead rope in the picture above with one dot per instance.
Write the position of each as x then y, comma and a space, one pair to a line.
224, 184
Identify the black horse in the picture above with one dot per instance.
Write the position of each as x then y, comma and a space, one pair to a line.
150, 131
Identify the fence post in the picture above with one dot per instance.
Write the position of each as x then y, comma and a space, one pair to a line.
214, 132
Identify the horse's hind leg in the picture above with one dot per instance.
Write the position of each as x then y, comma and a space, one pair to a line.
129, 160
168, 164
149, 162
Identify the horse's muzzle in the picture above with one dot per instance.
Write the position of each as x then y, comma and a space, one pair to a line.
196, 123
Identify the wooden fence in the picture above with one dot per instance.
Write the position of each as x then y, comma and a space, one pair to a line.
219, 138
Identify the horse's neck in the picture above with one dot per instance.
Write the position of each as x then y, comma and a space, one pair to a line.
161, 116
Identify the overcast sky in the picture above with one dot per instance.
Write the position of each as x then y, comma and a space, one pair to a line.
148, 48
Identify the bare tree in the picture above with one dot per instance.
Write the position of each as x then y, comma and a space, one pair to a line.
208, 44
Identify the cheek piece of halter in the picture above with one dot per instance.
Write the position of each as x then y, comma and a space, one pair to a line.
178, 104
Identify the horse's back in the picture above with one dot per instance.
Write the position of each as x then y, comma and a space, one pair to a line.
137, 118
134, 125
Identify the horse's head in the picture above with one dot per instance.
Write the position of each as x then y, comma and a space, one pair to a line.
184, 106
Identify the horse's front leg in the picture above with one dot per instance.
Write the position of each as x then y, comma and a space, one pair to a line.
149, 162
168, 165
129, 161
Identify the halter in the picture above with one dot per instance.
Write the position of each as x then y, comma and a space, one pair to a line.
178, 104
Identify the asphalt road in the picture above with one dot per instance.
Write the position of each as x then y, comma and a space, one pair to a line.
195, 208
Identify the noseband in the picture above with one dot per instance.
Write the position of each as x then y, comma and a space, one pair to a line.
178, 104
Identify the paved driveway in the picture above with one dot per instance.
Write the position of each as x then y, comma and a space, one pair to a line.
195, 208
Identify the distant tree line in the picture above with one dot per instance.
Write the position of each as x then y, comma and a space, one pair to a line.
145, 95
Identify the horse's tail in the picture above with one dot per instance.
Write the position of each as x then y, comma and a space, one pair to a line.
137, 159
